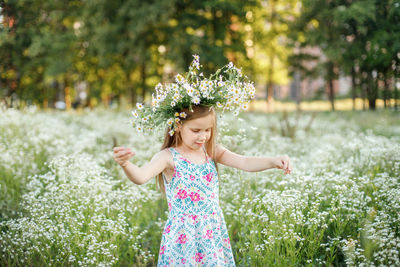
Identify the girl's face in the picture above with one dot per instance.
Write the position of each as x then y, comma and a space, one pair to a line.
196, 133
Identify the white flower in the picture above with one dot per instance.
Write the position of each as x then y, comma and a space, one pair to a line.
196, 62
171, 132
170, 121
196, 100
134, 113
193, 87
245, 105
159, 87
139, 128
189, 89
154, 103
179, 78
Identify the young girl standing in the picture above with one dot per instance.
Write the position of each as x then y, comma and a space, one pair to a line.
195, 232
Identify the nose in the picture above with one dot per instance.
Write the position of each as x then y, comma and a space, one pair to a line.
202, 137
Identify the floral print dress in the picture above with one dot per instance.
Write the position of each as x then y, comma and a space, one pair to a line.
195, 232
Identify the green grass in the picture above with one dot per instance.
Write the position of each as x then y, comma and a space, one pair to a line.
64, 201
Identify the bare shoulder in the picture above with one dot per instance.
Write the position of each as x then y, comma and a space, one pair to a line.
165, 156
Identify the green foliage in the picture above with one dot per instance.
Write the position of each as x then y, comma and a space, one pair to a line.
122, 49
356, 38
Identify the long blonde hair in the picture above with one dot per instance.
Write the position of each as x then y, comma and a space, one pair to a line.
198, 111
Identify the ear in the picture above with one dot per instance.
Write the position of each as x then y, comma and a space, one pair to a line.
178, 127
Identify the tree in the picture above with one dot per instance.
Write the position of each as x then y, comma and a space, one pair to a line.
37, 43
268, 46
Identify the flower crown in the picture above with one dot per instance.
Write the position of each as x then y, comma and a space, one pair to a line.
226, 89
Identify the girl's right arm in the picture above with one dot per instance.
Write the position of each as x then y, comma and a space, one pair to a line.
141, 175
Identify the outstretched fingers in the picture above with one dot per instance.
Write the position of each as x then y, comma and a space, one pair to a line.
285, 164
122, 155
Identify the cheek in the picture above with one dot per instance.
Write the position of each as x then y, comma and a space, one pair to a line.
190, 135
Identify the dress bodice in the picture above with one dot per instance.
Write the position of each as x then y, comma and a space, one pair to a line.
194, 187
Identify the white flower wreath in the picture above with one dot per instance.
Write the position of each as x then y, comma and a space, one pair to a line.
226, 89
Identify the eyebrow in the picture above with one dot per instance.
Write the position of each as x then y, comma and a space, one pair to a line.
200, 128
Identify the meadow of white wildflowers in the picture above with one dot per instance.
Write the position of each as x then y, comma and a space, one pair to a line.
65, 202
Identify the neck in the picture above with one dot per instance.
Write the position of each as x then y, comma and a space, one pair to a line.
187, 149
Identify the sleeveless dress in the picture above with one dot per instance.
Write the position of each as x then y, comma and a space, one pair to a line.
195, 232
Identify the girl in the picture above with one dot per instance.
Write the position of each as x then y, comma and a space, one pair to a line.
195, 232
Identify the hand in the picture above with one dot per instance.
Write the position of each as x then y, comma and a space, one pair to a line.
122, 155
283, 162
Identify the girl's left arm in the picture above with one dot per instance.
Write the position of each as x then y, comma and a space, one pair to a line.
251, 164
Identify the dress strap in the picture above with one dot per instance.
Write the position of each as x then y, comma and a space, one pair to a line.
205, 153
175, 154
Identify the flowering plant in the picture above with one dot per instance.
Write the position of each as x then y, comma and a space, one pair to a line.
226, 89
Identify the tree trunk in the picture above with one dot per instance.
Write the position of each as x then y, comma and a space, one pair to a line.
67, 93
363, 92
331, 94
297, 89
371, 91
144, 77
353, 86
330, 77
396, 81
133, 95
270, 85
270, 93
131, 90
386, 95
271, 56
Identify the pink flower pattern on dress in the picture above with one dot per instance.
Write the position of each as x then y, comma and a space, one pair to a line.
195, 232
194, 196
209, 234
199, 256
194, 218
228, 242
167, 229
162, 250
182, 194
209, 177
182, 239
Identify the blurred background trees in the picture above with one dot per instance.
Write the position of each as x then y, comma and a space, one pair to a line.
84, 53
